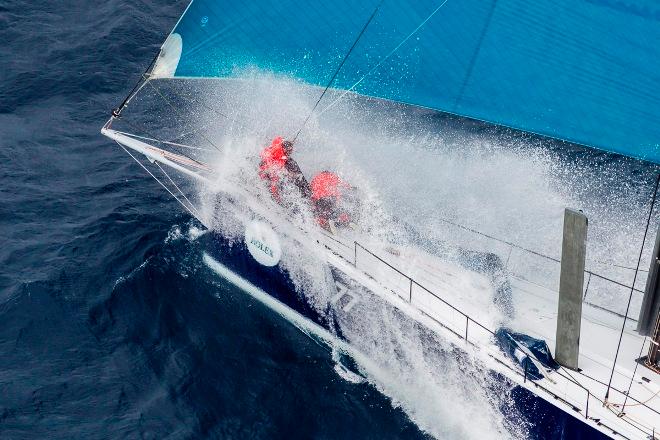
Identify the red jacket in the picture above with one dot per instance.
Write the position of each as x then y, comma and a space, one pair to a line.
273, 163
327, 184
276, 167
273, 159
327, 189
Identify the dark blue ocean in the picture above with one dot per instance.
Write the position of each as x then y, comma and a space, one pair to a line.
108, 329
111, 326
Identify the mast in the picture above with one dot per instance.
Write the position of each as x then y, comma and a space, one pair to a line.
649, 315
653, 358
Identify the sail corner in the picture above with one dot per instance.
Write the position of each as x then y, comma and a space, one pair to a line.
168, 58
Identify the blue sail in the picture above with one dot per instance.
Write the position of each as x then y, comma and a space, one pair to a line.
585, 71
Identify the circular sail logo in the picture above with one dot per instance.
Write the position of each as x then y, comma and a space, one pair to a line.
263, 243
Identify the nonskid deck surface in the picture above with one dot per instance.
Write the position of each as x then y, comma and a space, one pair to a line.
536, 309
600, 331
459, 303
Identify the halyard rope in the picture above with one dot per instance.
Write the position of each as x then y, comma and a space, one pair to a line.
632, 289
364, 28
421, 25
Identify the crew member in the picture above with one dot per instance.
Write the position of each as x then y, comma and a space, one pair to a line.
279, 169
334, 201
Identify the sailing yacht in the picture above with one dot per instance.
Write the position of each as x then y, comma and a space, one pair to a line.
552, 364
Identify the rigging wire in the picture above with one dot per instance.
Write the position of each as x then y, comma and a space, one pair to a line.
343, 61
639, 261
632, 378
594, 379
146, 138
512, 245
158, 180
537, 253
629, 420
153, 138
184, 135
199, 216
421, 25
168, 102
136, 88
212, 109
140, 127
116, 113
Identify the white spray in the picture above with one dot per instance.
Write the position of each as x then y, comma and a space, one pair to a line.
414, 168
